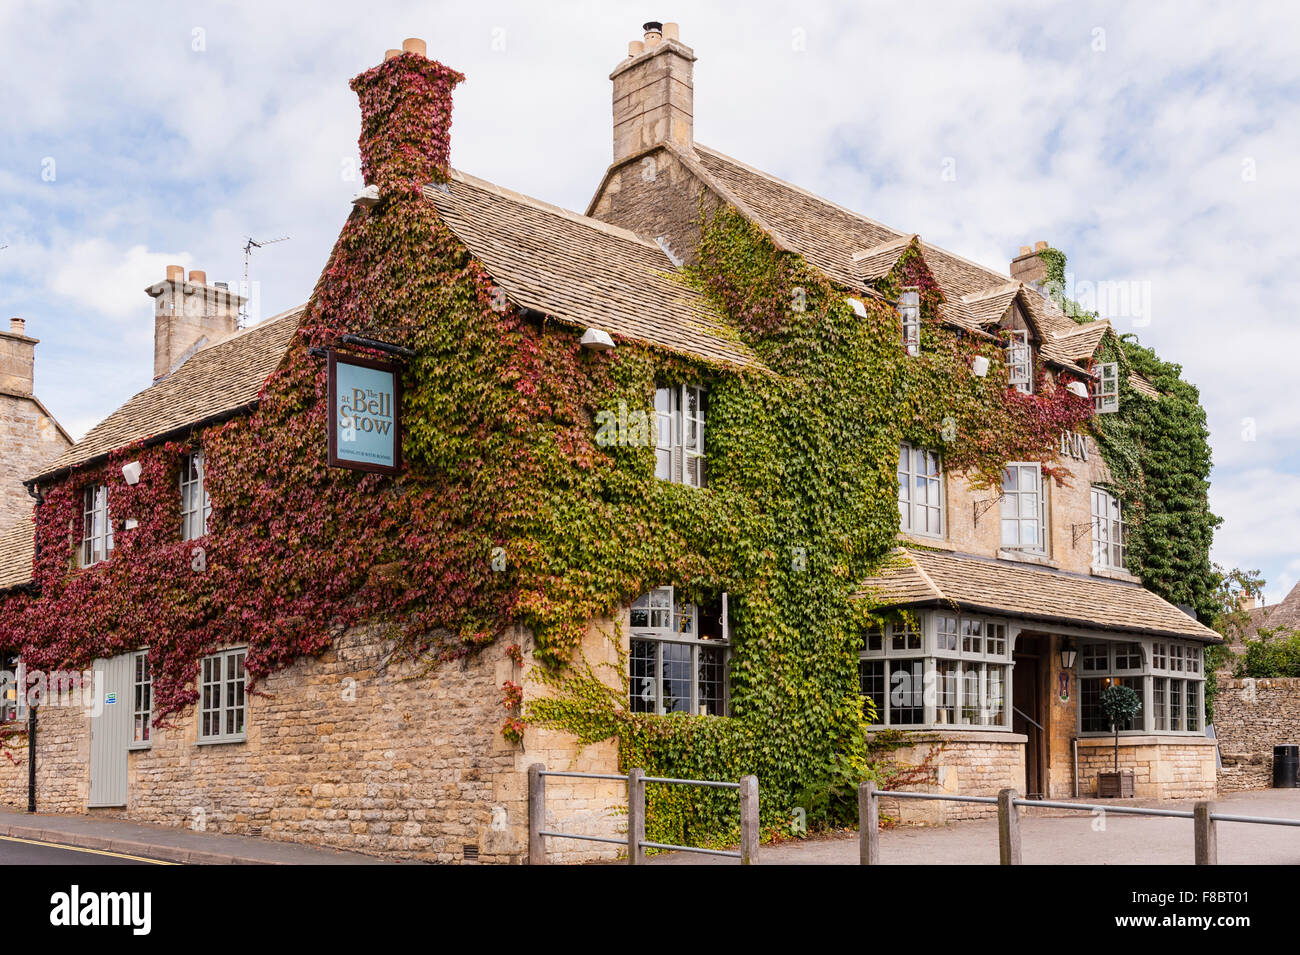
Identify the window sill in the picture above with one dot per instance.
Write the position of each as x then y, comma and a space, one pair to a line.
1026, 557
1113, 573
1130, 738
921, 540
957, 734
221, 740
134, 747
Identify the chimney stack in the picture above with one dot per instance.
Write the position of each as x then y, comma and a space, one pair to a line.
405, 120
654, 92
17, 359
1028, 267
187, 316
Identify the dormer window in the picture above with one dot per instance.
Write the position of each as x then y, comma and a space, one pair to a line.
909, 313
1105, 398
195, 503
679, 434
1020, 360
96, 527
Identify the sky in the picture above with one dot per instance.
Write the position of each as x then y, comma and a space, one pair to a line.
1156, 144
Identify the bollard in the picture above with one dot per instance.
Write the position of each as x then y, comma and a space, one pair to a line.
1008, 828
636, 817
868, 824
1207, 839
749, 820
536, 814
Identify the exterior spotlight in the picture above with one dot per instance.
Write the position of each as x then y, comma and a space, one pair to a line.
131, 472
1077, 388
596, 340
367, 197
980, 366
1068, 654
859, 309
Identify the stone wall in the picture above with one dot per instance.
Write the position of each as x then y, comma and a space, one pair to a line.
1251, 716
1164, 767
958, 764
354, 751
28, 439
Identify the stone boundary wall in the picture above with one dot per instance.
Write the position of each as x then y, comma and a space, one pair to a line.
1251, 716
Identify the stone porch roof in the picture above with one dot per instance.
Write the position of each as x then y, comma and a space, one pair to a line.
916, 578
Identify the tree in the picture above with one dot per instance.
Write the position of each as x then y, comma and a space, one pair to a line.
1120, 703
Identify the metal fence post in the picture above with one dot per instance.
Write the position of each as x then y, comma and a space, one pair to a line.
1207, 839
749, 820
536, 814
636, 817
868, 824
1008, 828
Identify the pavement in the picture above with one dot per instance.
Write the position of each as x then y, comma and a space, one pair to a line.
37, 838
1058, 837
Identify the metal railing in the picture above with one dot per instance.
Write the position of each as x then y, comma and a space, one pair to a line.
635, 840
1204, 820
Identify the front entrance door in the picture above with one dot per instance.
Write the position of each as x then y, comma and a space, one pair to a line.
110, 732
1030, 715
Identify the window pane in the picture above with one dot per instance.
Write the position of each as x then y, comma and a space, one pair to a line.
871, 679
906, 692
642, 685
676, 677
945, 692
712, 681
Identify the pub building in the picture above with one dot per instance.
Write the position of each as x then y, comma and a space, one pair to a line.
1004, 611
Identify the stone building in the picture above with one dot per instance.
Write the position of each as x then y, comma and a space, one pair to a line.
29, 435
1013, 605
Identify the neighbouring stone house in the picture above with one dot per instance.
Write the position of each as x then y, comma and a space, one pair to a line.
1006, 610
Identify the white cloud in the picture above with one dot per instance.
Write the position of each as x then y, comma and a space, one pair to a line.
108, 279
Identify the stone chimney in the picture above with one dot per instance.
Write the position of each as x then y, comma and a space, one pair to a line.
1028, 266
405, 120
17, 359
188, 315
654, 93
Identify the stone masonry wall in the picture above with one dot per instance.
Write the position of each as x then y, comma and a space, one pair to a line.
1251, 716
28, 439
1163, 767
353, 751
958, 764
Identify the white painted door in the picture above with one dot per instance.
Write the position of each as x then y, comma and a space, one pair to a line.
110, 733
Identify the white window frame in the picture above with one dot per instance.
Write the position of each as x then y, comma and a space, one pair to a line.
672, 623
963, 662
909, 316
13, 695
1012, 507
223, 685
96, 527
1020, 360
1109, 532
911, 510
196, 506
680, 434
141, 701
1166, 665
1106, 397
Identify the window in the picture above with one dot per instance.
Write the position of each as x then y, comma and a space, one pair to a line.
678, 659
1108, 530
679, 434
1105, 398
221, 697
1020, 361
1024, 509
920, 491
909, 313
1172, 701
13, 690
195, 503
96, 527
942, 670
141, 699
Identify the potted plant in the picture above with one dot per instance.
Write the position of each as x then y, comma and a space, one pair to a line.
1120, 704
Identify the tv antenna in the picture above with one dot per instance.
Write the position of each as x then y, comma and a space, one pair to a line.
247, 290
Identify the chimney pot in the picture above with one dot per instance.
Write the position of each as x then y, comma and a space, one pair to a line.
390, 54
198, 277
654, 32
18, 326
415, 45
671, 31
1025, 250
635, 48
175, 273
1039, 246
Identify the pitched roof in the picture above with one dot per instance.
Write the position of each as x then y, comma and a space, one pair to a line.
16, 550
920, 577
1280, 616
221, 378
585, 272
878, 261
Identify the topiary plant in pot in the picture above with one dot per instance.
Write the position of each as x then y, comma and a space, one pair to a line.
1120, 704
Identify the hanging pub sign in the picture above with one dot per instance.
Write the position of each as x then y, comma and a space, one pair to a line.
365, 414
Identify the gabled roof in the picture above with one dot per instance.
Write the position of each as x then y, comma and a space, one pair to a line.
1280, 616
585, 272
878, 261
16, 550
222, 378
916, 578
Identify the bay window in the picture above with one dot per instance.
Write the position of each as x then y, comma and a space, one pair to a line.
937, 670
1108, 530
1166, 675
1024, 508
920, 491
679, 434
678, 655
96, 527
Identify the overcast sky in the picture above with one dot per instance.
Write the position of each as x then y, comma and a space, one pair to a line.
1155, 144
